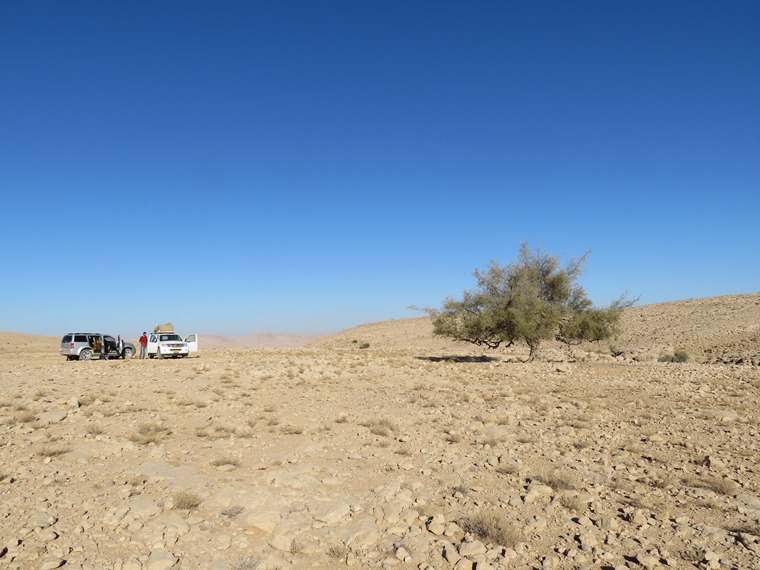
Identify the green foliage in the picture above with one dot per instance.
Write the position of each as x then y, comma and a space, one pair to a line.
530, 300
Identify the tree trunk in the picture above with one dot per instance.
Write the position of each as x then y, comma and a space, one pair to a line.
535, 353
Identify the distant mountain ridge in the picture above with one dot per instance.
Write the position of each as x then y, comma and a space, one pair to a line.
258, 340
20, 342
710, 329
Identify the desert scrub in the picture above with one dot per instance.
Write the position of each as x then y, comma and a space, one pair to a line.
296, 547
720, 485
226, 460
383, 427
54, 450
186, 500
149, 433
291, 430
679, 355
572, 503
492, 526
557, 479
26, 417
337, 551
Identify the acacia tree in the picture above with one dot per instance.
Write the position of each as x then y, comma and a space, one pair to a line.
530, 300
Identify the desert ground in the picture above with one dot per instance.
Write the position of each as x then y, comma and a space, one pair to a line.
384, 447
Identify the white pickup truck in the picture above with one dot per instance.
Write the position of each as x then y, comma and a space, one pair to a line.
168, 344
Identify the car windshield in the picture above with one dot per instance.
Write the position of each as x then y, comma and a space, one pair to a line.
165, 337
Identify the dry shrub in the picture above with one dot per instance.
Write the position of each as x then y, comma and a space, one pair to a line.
572, 503
557, 479
291, 430
246, 562
54, 450
721, 485
337, 551
186, 500
508, 469
296, 547
527, 439
149, 433
383, 427
492, 526
26, 417
226, 460
380, 430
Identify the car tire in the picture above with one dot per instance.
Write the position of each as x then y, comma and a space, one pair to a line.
151, 355
86, 354
128, 353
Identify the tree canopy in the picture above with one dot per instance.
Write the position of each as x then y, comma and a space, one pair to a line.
531, 300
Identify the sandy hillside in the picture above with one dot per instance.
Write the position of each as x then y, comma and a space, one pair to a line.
709, 329
411, 453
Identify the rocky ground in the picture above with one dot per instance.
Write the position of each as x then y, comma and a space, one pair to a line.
398, 455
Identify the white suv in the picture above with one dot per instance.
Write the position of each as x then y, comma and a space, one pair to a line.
168, 344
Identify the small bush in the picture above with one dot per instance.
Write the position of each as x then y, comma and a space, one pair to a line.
680, 355
364, 345
186, 501
226, 460
246, 562
26, 417
337, 551
149, 433
54, 450
558, 480
491, 526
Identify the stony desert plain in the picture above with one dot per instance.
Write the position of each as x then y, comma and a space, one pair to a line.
384, 447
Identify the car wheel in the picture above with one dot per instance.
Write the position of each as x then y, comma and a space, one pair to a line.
86, 354
128, 352
151, 355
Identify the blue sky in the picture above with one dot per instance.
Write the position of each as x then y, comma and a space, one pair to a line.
304, 166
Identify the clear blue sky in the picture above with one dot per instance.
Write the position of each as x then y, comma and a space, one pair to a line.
308, 166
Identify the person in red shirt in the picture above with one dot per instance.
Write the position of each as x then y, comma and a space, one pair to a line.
143, 345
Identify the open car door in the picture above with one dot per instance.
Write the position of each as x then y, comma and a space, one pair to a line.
192, 343
152, 345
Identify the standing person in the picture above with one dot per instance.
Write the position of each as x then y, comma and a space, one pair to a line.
103, 349
120, 346
143, 344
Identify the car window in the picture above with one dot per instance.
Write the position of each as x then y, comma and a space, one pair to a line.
80, 338
153, 338
66, 338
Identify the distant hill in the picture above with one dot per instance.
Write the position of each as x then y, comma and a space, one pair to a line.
710, 329
257, 340
13, 342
